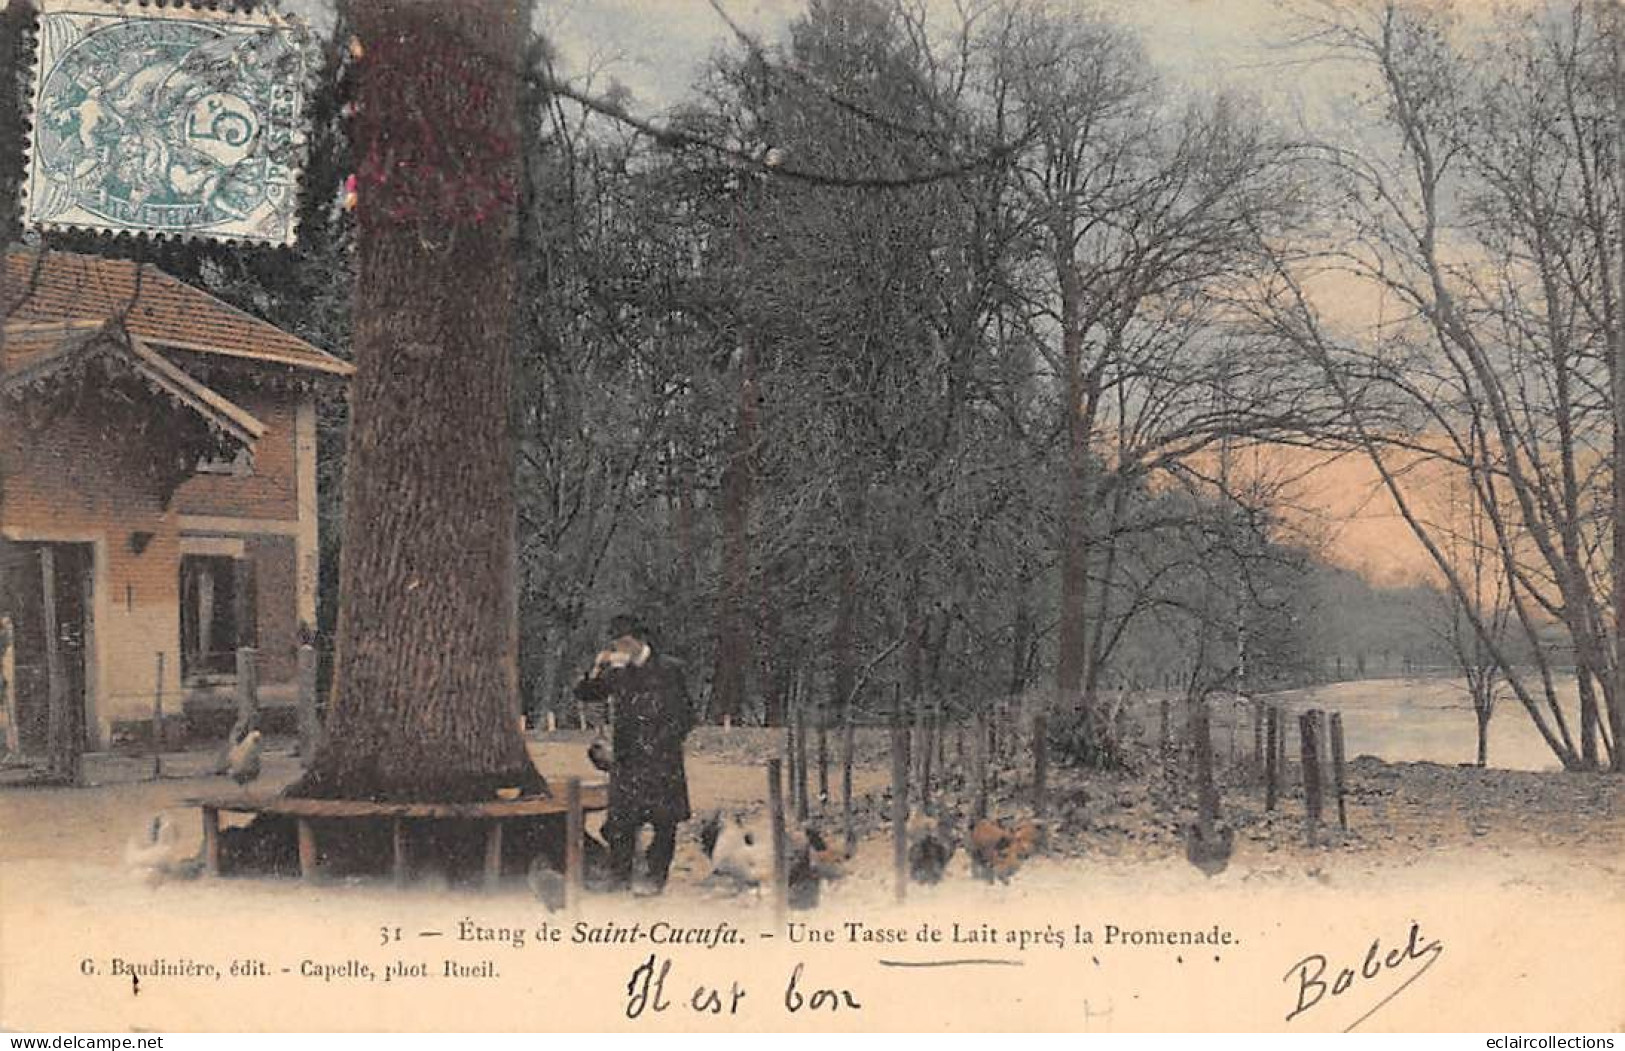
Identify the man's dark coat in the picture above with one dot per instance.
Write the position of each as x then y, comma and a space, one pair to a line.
652, 718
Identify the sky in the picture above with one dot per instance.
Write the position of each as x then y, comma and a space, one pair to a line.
655, 46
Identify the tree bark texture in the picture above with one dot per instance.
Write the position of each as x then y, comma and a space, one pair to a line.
425, 697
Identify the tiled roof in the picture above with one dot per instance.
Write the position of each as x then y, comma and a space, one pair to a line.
24, 341
156, 307
77, 345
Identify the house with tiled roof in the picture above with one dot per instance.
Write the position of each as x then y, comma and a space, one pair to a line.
157, 496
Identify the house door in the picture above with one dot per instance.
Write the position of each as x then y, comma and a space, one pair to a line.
46, 591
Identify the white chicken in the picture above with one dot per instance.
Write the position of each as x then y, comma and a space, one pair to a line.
740, 852
243, 762
150, 853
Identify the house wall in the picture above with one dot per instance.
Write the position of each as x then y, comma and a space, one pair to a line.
270, 491
70, 481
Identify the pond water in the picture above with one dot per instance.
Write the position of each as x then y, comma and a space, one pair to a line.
1412, 720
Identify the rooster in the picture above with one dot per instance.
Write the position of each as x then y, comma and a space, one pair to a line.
930, 847
997, 850
813, 861
825, 861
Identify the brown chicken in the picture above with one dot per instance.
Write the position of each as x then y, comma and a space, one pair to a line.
997, 849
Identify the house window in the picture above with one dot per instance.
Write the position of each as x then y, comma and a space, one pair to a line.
217, 615
240, 465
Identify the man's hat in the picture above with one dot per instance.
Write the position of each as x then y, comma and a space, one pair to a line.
627, 624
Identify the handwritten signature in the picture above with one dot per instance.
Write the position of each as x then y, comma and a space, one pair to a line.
646, 992
1309, 973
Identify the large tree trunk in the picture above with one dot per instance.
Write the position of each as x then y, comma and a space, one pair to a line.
425, 697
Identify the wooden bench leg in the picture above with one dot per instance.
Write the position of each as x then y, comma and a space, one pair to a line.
398, 831
307, 849
493, 854
211, 840
575, 833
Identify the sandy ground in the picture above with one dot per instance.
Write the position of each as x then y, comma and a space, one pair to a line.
1515, 877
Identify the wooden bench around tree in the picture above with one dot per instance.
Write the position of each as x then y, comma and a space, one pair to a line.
573, 803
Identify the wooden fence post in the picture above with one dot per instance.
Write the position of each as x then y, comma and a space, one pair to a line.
1165, 744
781, 868
158, 720
821, 712
1258, 737
248, 690
1310, 761
927, 753
899, 809
1230, 735
979, 762
1337, 769
939, 718
899, 715
1040, 765
248, 698
310, 724
1323, 734
848, 731
1272, 766
1280, 743
802, 781
790, 757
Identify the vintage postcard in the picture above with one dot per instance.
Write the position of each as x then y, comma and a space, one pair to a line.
813, 515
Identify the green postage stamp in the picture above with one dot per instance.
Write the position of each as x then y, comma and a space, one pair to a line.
174, 121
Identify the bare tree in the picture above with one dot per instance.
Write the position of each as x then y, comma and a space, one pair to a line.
1483, 206
1470, 547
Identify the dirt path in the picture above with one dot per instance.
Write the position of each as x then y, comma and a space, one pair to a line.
1518, 876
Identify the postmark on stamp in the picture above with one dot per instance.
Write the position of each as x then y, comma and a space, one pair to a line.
172, 121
